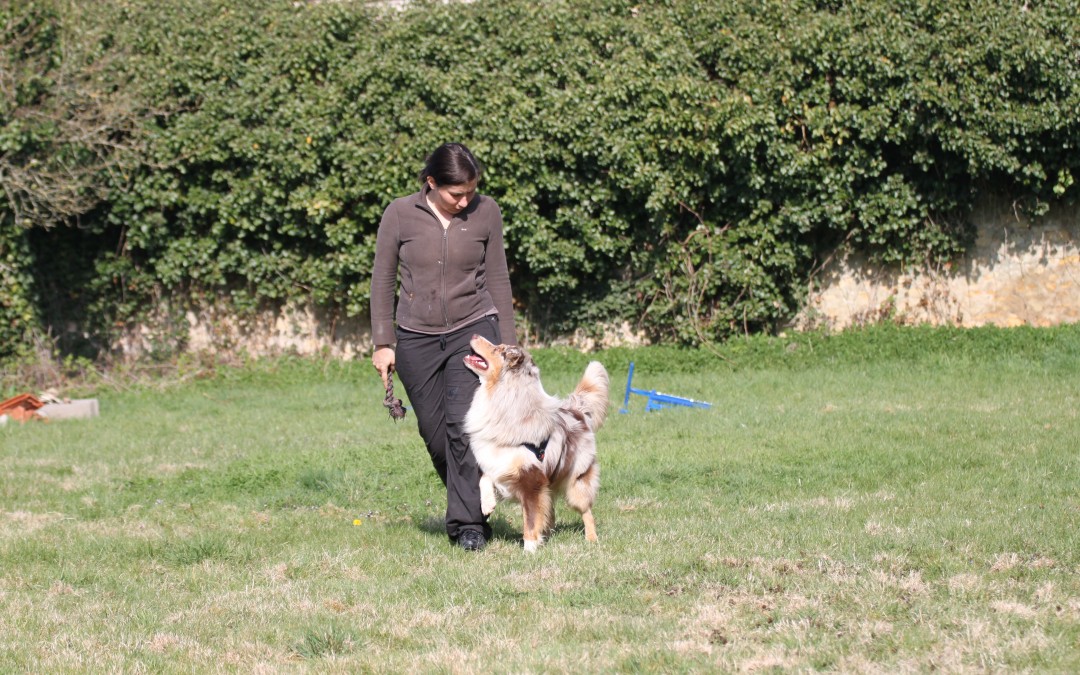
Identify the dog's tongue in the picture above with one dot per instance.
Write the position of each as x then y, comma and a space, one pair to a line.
476, 362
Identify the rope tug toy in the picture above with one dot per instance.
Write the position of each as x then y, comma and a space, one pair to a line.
397, 410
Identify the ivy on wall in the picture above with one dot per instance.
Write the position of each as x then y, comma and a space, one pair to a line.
683, 165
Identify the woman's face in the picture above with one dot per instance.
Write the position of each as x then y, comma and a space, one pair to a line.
452, 199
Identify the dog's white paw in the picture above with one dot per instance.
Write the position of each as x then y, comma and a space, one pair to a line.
487, 496
531, 546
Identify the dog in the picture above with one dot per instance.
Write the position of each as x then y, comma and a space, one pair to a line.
530, 445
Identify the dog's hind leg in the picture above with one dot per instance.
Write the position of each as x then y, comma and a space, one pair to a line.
550, 520
590, 525
580, 496
535, 501
535, 511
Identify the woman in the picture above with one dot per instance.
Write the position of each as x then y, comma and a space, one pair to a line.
446, 241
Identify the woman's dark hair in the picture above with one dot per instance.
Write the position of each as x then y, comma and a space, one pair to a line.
451, 164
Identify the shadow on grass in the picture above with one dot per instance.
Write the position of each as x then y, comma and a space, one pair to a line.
503, 529
500, 528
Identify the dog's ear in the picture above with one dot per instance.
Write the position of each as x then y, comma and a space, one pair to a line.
515, 356
519, 360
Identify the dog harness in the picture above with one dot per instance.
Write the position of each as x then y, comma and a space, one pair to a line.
537, 450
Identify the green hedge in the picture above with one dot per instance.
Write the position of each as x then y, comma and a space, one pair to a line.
682, 165
28, 47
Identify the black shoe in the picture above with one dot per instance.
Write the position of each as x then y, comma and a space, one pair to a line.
471, 540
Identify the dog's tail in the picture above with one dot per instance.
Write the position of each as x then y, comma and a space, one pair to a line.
591, 394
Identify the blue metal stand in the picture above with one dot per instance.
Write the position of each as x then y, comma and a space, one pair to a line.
654, 399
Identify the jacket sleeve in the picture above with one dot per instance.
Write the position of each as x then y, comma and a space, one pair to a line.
498, 281
384, 280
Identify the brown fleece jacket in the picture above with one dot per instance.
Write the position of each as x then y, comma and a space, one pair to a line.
449, 278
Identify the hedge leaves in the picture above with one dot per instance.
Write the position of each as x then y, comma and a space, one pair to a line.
680, 165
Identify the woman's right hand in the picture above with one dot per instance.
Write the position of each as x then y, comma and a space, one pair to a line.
383, 360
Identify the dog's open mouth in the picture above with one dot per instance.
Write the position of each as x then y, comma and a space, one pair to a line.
475, 362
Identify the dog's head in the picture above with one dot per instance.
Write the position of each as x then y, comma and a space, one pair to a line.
492, 362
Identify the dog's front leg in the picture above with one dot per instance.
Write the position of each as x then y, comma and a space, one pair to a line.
487, 495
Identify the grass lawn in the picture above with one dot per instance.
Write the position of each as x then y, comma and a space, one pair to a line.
884, 500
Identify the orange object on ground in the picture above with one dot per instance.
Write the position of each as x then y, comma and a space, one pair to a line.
22, 407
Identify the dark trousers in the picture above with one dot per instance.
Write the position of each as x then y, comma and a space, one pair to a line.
440, 389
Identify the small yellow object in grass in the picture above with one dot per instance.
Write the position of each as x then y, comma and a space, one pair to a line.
357, 521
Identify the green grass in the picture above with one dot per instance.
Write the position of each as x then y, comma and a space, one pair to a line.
881, 500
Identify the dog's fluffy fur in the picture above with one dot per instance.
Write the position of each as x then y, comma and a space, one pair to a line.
511, 411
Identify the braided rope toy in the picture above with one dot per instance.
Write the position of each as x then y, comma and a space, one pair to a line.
394, 405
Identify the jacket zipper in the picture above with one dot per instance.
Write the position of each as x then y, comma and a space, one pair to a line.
442, 272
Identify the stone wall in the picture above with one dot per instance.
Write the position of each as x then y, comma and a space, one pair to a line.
294, 329
1018, 272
